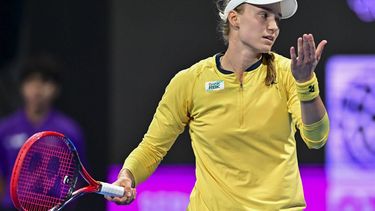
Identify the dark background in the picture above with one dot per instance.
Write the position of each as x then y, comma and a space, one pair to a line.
119, 56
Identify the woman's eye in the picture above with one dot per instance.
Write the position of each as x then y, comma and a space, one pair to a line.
264, 15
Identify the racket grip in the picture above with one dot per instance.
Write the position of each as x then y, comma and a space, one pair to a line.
111, 190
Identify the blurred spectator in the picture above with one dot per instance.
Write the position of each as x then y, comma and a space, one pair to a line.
39, 87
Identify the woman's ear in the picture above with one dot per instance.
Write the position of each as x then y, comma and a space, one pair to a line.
233, 19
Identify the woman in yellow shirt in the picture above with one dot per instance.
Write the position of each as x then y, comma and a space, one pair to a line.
242, 108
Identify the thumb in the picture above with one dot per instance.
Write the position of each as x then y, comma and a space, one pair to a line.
319, 49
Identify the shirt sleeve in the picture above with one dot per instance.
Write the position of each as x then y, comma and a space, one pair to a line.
314, 135
170, 119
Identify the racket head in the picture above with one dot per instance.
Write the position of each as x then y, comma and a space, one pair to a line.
45, 172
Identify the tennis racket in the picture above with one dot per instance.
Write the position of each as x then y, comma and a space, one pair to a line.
46, 171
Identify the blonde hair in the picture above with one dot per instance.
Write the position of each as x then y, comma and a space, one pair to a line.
224, 29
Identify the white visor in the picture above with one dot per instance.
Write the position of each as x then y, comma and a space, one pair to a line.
288, 7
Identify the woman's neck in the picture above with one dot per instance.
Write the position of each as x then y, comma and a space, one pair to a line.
239, 60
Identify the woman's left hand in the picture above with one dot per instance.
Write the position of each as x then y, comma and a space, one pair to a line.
304, 65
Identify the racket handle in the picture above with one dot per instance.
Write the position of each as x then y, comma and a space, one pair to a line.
111, 190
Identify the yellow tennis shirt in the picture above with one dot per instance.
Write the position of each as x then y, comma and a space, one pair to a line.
242, 137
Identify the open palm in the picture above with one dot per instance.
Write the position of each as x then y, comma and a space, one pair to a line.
308, 57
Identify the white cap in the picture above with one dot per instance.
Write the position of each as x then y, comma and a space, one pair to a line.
288, 7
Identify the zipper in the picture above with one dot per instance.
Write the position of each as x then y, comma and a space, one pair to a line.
241, 105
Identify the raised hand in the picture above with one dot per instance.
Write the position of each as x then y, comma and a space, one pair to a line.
308, 57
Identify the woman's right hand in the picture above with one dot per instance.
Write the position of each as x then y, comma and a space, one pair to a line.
125, 179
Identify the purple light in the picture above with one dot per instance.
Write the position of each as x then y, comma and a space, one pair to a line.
365, 9
168, 189
314, 186
351, 107
350, 151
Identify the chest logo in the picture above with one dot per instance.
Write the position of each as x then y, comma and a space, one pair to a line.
214, 85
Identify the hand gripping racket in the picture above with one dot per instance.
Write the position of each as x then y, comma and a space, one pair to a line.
46, 171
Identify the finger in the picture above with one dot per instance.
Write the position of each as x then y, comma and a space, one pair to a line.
121, 200
128, 192
128, 198
109, 198
135, 193
293, 57
300, 49
306, 49
312, 47
117, 200
320, 48
114, 198
127, 182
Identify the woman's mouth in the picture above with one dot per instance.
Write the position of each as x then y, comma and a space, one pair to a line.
270, 38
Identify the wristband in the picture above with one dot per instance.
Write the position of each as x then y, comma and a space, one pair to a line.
308, 90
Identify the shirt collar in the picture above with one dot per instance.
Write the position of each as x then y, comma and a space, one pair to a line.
224, 71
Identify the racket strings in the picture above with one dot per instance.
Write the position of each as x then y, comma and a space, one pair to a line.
45, 170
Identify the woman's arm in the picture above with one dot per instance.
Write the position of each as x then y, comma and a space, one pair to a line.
315, 123
170, 119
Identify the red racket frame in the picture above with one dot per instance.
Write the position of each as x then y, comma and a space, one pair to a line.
93, 187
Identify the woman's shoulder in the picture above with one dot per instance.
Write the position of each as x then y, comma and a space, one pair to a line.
283, 68
198, 68
281, 61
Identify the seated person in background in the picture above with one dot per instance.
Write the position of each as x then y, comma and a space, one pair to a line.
39, 87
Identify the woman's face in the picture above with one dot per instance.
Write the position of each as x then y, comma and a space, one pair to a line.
258, 26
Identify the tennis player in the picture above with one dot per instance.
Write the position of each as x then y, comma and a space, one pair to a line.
243, 108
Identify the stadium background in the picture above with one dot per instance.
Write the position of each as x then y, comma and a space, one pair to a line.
119, 55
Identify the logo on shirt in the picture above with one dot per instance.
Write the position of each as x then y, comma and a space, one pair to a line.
214, 85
